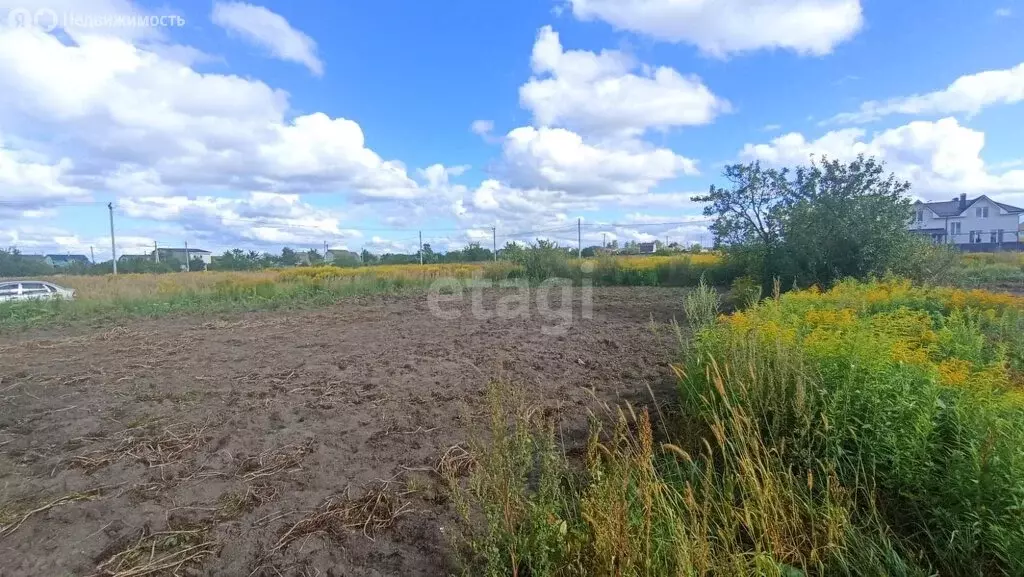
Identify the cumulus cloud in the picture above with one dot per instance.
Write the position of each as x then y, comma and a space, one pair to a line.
268, 30
260, 218
30, 183
556, 158
723, 27
135, 118
610, 93
966, 95
939, 158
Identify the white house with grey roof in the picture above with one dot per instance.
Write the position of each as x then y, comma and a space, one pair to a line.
980, 223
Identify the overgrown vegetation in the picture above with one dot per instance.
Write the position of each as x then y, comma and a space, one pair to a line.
875, 429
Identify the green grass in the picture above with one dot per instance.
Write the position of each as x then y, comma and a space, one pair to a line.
222, 298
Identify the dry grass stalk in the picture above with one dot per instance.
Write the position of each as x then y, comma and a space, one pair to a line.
282, 460
166, 552
154, 448
455, 462
372, 513
11, 527
235, 504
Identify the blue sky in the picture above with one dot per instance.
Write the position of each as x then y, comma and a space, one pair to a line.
358, 124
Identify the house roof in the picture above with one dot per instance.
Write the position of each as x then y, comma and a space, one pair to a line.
68, 257
952, 207
190, 250
1008, 208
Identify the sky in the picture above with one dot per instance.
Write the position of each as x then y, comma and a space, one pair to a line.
366, 124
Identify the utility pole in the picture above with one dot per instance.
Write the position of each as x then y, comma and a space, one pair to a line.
113, 248
579, 238
421, 247
156, 253
604, 240
325, 251
92, 256
187, 266
494, 242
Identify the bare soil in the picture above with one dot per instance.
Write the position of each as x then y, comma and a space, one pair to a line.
284, 443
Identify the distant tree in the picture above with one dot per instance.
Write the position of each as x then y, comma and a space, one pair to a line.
13, 263
513, 251
428, 254
473, 252
314, 257
236, 259
288, 257
392, 258
345, 258
630, 247
590, 251
368, 257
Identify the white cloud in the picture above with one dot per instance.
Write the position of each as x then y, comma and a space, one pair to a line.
1004, 12
31, 183
482, 127
968, 95
555, 158
132, 119
258, 218
939, 158
609, 93
722, 27
268, 30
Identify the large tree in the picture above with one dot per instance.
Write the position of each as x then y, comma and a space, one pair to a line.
813, 224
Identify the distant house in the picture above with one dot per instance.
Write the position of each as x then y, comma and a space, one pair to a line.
66, 260
183, 255
979, 224
347, 255
646, 247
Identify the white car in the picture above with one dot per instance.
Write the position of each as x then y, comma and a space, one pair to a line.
23, 290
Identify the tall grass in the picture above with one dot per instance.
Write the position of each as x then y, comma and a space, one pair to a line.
877, 429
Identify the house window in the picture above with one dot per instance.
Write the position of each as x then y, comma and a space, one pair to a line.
954, 228
992, 237
920, 215
984, 212
1001, 236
